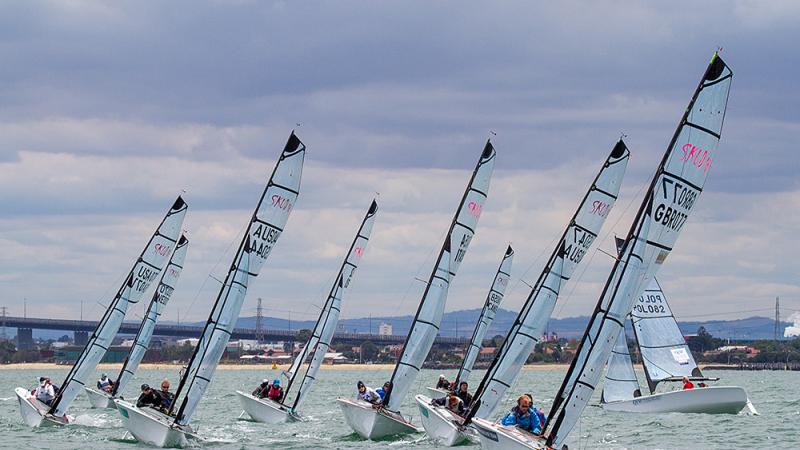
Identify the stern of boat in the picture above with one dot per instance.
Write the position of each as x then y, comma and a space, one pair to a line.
708, 400
32, 410
264, 410
99, 399
440, 424
371, 423
494, 436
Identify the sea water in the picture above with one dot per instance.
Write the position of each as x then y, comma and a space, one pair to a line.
776, 396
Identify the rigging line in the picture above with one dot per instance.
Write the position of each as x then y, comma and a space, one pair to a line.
236, 239
521, 278
586, 266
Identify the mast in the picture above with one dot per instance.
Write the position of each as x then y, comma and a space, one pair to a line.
326, 322
161, 296
265, 227
426, 323
146, 269
673, 192
493, 300
577, 238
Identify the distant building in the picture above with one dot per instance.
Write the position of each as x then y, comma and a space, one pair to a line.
385, 329
190, 341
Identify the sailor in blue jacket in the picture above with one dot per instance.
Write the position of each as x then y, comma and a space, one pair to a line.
522, 416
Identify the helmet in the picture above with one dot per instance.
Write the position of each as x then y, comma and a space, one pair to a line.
276, 381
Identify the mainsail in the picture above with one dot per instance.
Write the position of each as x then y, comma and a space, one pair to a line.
431, 309
265, 227
530, 324
326, 323
161, 296
661, 343
621, 382
493, 301
144, 271
673, 192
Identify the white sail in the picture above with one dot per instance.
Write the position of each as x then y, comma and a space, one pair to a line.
429, 314
144, 272
488, 313
661, 343
673, 193
621, 382
326, 324
266, 225
532, 320
161, 296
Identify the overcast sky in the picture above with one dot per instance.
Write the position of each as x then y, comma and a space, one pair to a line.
109, 110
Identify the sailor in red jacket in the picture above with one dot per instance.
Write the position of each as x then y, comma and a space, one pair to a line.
687, 384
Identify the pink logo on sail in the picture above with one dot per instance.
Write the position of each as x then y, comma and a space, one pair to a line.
358, 251
281, 202
161, 249
475, 209
698, 156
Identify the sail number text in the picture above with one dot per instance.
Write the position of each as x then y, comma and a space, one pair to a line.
579, 246
263, 239
677, 196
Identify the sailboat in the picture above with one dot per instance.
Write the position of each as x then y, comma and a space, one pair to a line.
493, 300
671, 196
265, 227
666, 358
269, 411
146, 269
490, 306
529, 326
161, 296
374, 423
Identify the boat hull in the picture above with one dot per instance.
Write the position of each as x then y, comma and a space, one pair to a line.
709, 400
265, 410
435, 393
442, 425
34, 413
372, 423
151, 427
99, 399
494, 436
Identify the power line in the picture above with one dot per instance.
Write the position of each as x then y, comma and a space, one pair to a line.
777, 315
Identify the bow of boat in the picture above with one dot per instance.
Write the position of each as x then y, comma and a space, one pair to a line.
152, 427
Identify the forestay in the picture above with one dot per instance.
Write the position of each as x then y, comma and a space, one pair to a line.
326, 323
144, 271
429, 314
575, 242
621, 382
161, 296
493, 301
265, 227
661, 343
673, 192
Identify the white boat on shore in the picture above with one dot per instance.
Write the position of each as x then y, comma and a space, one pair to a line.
374, 423
442, 425
153, 427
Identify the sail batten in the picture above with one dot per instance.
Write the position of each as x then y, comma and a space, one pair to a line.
671, 196
530, 324
265, 227
137, 282
325, 327
431, 308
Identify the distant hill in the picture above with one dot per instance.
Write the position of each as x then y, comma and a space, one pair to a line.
460, 323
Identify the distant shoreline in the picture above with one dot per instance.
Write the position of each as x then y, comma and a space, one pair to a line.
169, 366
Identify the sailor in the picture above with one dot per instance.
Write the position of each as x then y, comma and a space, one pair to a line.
382, 391
452, 402
442, 383
105, 384
367, 394
167, 397
148, 397
522, 417
538, 412
45, 392
687, 384
262, 389
462, 393
275, 392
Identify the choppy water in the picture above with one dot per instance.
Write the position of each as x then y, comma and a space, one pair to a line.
776, 395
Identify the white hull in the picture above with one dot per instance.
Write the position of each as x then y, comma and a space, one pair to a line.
151, 427
34, 412
372, 423
436, 393
500, 437
265, 410
442, 425
99, 399
709, 400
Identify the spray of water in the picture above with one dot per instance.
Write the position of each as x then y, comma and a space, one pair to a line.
793, 330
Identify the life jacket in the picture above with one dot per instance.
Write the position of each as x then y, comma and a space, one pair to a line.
275, 393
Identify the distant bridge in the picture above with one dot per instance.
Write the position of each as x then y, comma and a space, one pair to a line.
191, 331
